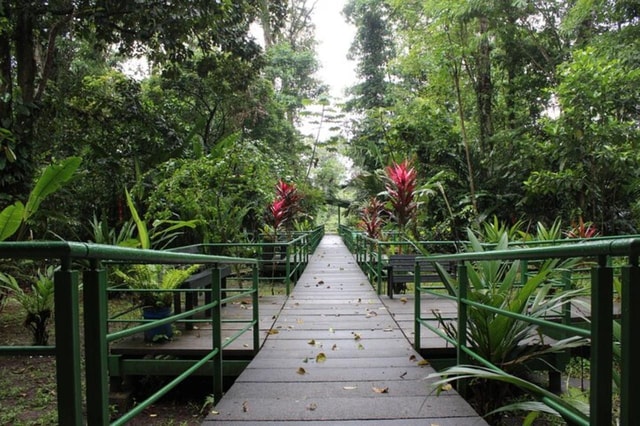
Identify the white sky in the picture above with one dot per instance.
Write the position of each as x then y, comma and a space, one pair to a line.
334, 38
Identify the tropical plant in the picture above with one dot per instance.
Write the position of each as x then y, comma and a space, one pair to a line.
576, 407
372, 218
505, 342
15, 217
284, 208
155, 282
401, 182
582, 230
159, 236
37, 302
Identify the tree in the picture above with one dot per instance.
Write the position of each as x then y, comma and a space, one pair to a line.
31, 31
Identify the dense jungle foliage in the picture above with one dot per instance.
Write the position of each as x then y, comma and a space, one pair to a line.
527, 110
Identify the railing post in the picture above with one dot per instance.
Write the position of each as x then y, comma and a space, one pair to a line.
287, 270
67, 326
601, 343
630, 345
461, 356
216, 331
417, 309
96, 348
256, 314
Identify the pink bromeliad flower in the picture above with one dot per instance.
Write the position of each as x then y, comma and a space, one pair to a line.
401, 184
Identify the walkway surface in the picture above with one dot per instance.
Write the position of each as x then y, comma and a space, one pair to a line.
336, 356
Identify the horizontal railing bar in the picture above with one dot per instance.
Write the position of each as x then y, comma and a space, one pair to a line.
78, 250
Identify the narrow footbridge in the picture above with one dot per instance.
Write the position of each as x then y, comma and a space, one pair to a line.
335, 355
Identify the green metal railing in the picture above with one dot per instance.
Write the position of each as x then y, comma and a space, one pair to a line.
279, 261
91, 258
372, 255
600, 332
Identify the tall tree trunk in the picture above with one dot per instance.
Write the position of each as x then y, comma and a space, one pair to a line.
484, 85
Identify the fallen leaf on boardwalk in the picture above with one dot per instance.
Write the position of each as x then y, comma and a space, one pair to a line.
446, 387
423, 362
356, 336
360, 347
306, 360
320, 282
321, 357
272, 331
301, 371
349, 387
403, 299
380, 390
312, 406
334, 347
312, 342
245, 407
412, 358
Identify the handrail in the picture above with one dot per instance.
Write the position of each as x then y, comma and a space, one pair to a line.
601, 326
94, 284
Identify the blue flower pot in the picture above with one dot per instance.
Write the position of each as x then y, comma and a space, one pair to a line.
162, 332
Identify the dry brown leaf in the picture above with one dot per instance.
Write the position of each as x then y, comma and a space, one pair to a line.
403, 299
301, 371
321, 357
412, 358
312, 342
245, 407
380, 390
334, 347
356, 336
272, 331
423, 362
312, 406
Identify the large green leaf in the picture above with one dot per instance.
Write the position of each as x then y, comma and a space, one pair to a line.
10, 220
51, 180
143, 232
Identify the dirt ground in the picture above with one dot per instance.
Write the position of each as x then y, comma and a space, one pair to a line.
28, 386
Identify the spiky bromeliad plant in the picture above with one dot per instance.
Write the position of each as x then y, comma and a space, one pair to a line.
283, 209
371, 218
506, 342
401, 181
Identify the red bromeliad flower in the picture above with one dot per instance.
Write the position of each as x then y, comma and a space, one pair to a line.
402, 180
372, 218
285, 206
582, 230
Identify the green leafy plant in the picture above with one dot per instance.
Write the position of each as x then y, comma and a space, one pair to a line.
160, 235
155, 281
37, 302
498, 338
15, 217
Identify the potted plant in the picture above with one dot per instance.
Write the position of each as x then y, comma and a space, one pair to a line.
156, 299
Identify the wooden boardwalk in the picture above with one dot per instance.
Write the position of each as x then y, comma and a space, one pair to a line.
335, 355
